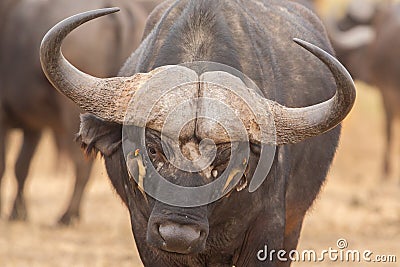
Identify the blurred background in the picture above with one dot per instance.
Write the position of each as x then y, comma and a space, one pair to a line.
360, 201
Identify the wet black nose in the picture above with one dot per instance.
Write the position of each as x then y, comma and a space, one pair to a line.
183, 239
178, 230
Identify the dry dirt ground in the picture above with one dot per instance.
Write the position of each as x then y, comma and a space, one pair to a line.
355, 204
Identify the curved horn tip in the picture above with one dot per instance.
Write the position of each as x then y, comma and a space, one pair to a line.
67, 79
96, 13
110, 10
74, 22
311, 48
301, 42
104, 11
315, 50
324, 56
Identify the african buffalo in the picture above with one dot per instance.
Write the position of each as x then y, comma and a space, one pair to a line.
366, 40
28, 102
183, 39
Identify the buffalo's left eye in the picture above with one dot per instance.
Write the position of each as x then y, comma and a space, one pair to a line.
152, 151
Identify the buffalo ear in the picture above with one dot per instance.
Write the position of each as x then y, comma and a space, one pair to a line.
97, 135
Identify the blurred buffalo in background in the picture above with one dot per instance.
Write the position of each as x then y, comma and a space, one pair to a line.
4, 6
367, 41
27, 100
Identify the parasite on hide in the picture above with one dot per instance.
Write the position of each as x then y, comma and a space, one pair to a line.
137, 169
230, 178
137, 151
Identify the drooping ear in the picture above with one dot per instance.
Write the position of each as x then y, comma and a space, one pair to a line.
97, 135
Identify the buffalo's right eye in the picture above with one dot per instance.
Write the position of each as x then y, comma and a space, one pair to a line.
255, 148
